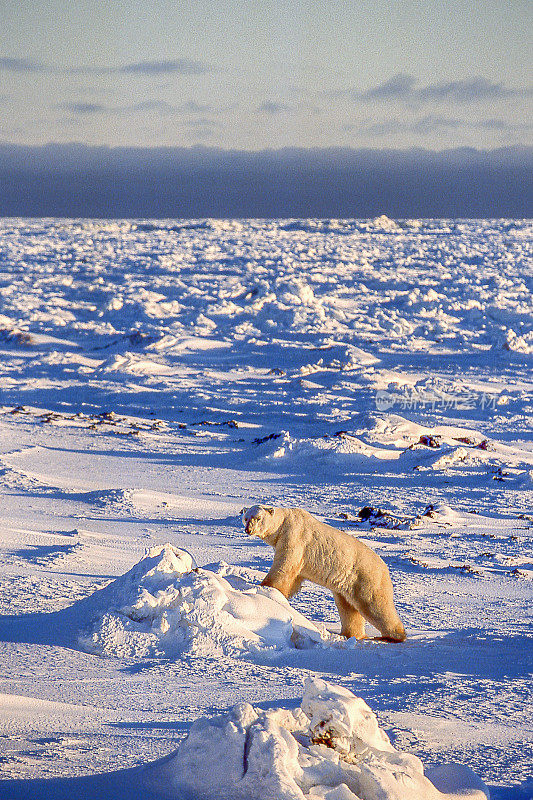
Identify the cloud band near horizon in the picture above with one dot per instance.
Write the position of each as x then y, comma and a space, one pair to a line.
81, 181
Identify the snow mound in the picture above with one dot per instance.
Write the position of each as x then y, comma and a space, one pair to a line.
181, 345
339, 450
513, 342
390, 442
107, 497
331, 748
131, 363
166, 605
340, 356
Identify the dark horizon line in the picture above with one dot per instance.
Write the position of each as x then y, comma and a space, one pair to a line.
202, 219
98, 181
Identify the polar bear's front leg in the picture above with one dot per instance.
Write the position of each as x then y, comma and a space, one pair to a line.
284, 574
296, 586
280, 581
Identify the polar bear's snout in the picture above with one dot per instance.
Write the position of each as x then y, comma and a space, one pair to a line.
250, 522
248, 527
247, 520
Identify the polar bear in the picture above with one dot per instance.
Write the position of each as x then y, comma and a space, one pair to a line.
307, 549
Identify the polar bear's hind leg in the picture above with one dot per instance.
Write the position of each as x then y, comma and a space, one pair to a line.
387, 621
352, 623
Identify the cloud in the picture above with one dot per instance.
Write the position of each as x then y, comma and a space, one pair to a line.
84, 108
160, 107
403, 87
23, 65
399, 86
192, 107
273, 108
467, 91
152, 106
179, 66
432, 123
500, 125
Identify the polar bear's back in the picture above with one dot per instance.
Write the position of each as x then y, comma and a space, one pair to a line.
331, 555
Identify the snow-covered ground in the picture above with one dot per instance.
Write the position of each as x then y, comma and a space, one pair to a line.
155, 378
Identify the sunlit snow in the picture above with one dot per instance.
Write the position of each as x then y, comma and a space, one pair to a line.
157, 377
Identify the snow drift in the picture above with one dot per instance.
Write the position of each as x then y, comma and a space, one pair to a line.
166, 605
389, 442
330, 748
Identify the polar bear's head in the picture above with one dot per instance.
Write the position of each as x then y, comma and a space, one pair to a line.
258, 520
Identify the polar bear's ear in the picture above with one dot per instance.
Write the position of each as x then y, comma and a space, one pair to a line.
269, 509
243, 511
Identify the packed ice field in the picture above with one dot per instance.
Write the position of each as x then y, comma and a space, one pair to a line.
156, 378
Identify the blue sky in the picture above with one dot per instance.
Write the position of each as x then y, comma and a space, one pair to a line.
253, 75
